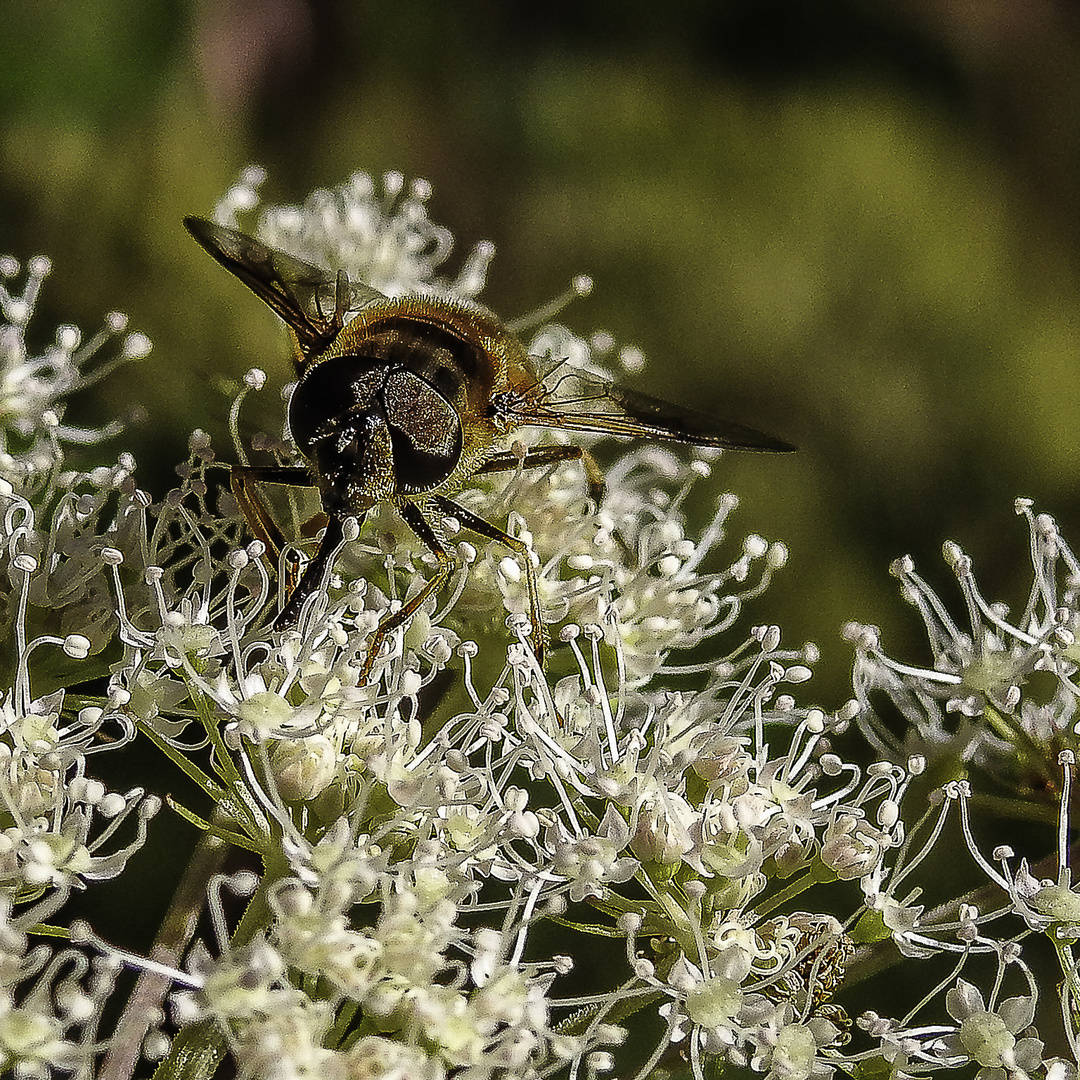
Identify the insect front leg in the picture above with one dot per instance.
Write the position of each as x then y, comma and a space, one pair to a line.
332, 538
244, 481
468, 520
416, 521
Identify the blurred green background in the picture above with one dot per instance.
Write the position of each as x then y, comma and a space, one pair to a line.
851, 223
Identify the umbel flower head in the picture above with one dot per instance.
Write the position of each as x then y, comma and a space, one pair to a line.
440, 846
33, 388
1001, 691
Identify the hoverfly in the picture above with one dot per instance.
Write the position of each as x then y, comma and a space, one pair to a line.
409, 400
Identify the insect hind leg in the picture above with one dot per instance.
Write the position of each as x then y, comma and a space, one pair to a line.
540, 456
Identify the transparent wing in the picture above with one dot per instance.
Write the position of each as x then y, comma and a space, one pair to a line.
312, 302
576, 401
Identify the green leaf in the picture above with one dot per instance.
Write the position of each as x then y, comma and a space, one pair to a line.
869, 929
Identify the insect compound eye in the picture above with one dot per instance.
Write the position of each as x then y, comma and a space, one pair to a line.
331, 394
374, 427
425, 431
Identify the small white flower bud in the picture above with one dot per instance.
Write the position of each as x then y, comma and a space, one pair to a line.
410, 683
137, 346
632, 359
77, 646
237, 560
156, 1046
111, 805
303, 768
777, 556
848, 711
78, 790
888, 814
68, 337
755, 546
244, 883
438, 648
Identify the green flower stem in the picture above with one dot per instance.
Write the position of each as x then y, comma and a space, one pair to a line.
172, 942
816, 874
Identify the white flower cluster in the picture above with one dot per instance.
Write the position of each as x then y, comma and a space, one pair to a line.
1001, 692
504, 803
379, 234
33, 388
60, 828
447, 846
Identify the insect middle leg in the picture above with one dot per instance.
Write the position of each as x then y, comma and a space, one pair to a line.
540, 456
468, 520
416, 521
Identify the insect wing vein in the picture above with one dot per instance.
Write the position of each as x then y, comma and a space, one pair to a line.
304, 296
581, 402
